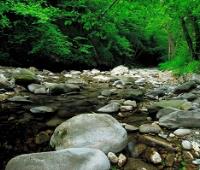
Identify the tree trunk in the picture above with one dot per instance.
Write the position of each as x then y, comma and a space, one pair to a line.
197, 36
171, 46
188, 38
96, 56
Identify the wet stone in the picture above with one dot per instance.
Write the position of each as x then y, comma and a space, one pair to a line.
150, 128
109, 108
42, 111
23, 99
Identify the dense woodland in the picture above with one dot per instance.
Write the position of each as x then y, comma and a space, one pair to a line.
100, 33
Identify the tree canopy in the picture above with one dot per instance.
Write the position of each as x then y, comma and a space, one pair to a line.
101, 33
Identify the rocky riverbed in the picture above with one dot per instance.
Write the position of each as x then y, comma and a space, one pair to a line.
131, 119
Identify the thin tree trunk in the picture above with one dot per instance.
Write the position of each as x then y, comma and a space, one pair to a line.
188, 38
197, 36
171, 46
96, 56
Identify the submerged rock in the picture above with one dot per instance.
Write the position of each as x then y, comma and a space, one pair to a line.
54, 122
42, 137
137, 164
99, 131
23, 99
68, 159
41, 109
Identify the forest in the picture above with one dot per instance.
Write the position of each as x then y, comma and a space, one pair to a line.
101, 33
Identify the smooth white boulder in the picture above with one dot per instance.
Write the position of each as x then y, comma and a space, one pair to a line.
67, 159
99, 131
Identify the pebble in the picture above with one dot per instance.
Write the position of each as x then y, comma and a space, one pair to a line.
182, 132
130, 128
170, 158
54, 122
119, 86
186, 145
121, 115
196, 147
171, 135
113, 157
126, 108
156, 158
150, 128
163, 135
187, 156
42, 109
196, 161
149, 118
109, 108
130, 103
122, 160
140, 81
43, 137
136, 149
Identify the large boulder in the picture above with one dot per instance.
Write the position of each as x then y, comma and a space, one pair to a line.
25, 77
119, 70
68, 159
180, 118
99, 131
185, 87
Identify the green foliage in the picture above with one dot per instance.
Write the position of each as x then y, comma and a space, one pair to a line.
182, 57
100, 32
182, 62
50, 40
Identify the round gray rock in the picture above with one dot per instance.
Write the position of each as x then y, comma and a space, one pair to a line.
99, 131
68, 159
